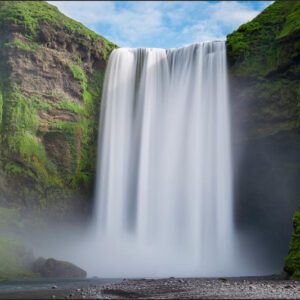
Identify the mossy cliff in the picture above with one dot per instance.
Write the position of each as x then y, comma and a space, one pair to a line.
264, 70
292, 261
51, 74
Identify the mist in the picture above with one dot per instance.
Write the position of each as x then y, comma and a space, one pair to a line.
256, 244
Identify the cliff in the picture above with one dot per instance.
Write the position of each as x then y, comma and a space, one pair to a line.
264, 70
51, 73
292, 261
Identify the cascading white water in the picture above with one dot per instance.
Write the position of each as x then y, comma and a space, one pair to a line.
164, 179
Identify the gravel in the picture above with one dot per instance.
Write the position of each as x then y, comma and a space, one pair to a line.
188, 288
176, 288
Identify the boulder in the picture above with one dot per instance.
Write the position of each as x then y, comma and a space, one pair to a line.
52, 268
38, 264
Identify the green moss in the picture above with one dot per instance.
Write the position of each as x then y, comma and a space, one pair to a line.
32, 14
20, 116
255, 47
1, 104
298, 101
292, 261
85, 130
296, 275
265, 65
31, 146
20, 122
13, 168
108, 47
79, 74
28, 132
69, 105
35, 17
42, 105
10, 218
78, 60
250, 27
14, 259
292, 23
28, 46
62, 126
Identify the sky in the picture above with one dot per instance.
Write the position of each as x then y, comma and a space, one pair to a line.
161, 24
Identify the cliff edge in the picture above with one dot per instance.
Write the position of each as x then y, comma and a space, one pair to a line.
264, 70
51, 74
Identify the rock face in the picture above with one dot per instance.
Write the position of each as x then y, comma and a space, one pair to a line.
264, 69
292, 261
51, 73
52, 268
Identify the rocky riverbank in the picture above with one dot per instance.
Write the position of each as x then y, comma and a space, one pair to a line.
176, 288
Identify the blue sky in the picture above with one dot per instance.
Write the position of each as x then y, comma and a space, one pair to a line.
161, 24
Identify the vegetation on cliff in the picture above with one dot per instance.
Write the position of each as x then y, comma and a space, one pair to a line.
264, 56
260, 47
292, 261
15, 259
264, 69
51, 74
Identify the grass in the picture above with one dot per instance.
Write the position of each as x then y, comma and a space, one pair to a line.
10, 218
32, 14
292, 261
14, 259
21, 124
69, 105
1, 110
23, 137
26, 46
255, 46
79, 74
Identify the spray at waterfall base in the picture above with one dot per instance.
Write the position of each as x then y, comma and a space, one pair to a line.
164, 203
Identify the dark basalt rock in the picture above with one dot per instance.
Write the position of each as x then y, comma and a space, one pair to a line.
264, 71
38, 264
52, 268
52, 73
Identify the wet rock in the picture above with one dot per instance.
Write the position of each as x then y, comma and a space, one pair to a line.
52, 268
38, 264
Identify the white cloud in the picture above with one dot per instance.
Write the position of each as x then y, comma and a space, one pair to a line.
232, 13
222, 18
130, 23
158, 23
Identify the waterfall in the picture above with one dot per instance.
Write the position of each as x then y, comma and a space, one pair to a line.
164, 181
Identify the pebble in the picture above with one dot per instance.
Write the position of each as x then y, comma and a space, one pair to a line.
195, 288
